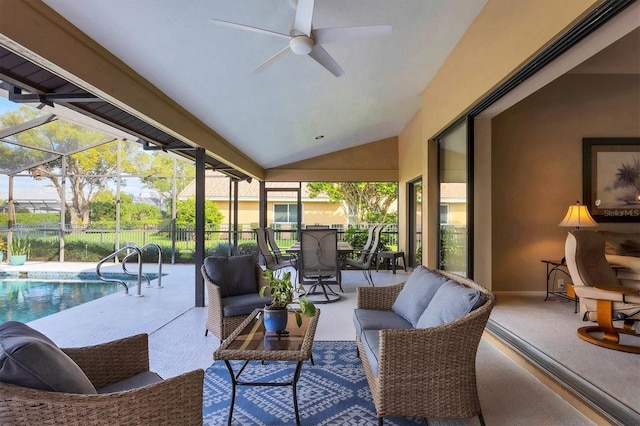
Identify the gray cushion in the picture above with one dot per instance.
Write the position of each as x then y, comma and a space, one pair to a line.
451, 301
368, 319
139, 380
235, 275
244, 304
417, 293
30, 359
371, 341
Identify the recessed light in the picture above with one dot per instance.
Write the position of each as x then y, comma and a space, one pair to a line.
319, 137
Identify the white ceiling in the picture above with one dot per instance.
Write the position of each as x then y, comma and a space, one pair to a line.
274, 116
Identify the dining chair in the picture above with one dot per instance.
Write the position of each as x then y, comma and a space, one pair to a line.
277, 252
319, 264
270, 259
367, 255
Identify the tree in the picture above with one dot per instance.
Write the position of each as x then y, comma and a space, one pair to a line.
362, 201
158, 173
186, 212
87, 170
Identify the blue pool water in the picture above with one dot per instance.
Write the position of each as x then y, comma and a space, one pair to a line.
26, 298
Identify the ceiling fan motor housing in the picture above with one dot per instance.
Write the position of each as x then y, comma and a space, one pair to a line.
301, 44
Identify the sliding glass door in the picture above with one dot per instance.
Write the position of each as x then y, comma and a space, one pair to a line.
454, 206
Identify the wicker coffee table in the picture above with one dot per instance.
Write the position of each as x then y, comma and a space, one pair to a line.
250, 342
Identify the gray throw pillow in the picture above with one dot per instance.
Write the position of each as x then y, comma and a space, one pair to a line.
451, 301
29, 359
417, 293
236, 275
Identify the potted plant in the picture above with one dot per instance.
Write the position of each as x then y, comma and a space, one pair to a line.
282, 296
19, 251
3, 247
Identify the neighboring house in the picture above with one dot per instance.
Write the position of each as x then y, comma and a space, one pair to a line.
281, 206
44, 199
453, 204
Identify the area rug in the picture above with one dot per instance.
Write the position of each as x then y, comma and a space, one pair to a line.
334, 391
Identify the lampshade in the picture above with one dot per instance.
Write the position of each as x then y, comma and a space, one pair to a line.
578, 216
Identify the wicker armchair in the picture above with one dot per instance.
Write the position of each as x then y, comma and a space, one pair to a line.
175, 401
224, 314
428, 372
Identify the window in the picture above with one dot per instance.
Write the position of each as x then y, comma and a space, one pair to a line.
285, 213
444, 214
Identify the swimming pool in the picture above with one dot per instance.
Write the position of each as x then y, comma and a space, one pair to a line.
26, 297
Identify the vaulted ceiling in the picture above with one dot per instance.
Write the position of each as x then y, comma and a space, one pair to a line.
276, 115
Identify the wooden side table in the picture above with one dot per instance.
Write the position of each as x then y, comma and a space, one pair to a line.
393, 257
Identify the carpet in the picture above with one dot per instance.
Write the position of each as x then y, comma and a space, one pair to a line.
334, 391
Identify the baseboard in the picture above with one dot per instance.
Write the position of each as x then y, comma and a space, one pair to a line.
593, 397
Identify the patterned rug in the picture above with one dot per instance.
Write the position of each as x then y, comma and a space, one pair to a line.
334, 391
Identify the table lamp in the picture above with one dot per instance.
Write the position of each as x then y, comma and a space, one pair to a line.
578, 216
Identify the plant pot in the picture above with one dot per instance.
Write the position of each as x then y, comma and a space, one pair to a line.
275, 319
17, 259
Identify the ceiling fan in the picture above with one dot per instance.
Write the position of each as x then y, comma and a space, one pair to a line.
306, 40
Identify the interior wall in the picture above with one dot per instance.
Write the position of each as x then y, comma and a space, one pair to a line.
536, 158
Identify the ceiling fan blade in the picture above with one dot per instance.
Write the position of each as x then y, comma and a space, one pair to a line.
330, 35
304, 16
248, 28
323, 58
272, 59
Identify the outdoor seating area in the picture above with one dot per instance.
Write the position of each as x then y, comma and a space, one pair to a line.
177, 345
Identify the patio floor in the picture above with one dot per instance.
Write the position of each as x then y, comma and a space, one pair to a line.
510, 394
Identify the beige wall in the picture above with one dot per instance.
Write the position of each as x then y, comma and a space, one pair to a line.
312, 212
537, 168
457, 214
503, 37
248, 211
372, 162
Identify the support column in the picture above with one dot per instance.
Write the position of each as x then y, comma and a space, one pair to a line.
199, 230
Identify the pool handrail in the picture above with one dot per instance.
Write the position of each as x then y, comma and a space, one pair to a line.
114, 280
124, 262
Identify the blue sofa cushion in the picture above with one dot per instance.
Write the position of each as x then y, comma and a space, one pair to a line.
371, 341
417, 293
235, 275
243, 304
368, 319
451, 301
29, 359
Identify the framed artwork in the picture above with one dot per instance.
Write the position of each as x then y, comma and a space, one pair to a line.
611, 178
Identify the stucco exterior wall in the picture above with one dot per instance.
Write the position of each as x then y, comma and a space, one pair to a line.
321, 212
504, 36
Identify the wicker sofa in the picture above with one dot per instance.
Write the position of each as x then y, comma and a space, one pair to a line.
418, 342
105, 384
